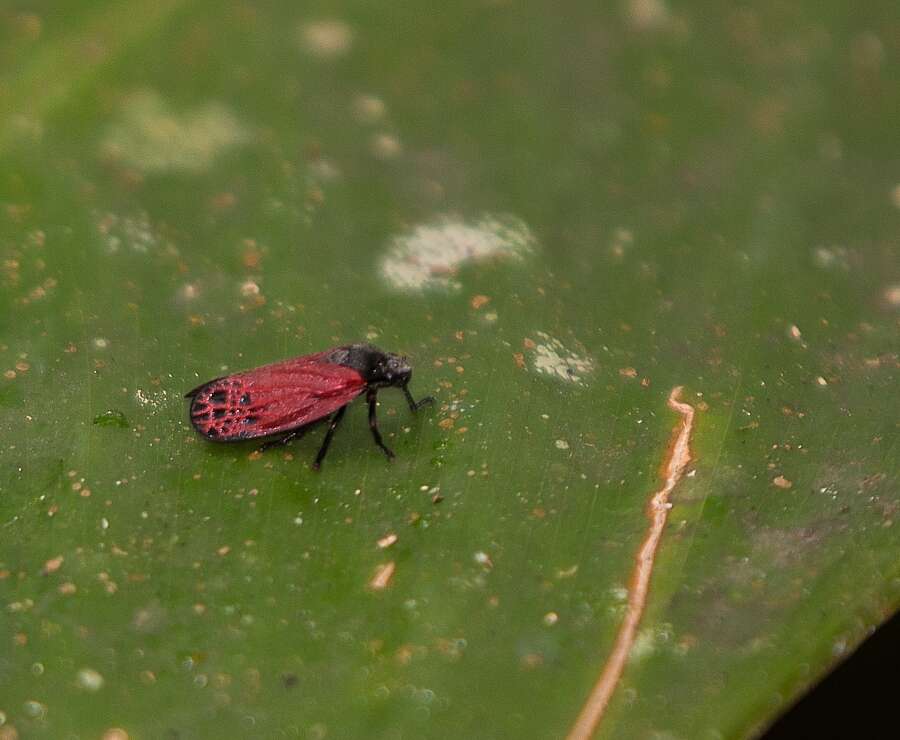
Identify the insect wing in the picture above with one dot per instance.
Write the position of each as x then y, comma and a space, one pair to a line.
273, 398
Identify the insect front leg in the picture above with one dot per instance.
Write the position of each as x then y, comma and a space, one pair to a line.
372, 398
413, 404
323, 450
281, 441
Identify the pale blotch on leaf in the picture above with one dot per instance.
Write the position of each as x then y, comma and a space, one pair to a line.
326, 39
134, 232
23, 128
429, 255
892, 295
369, 109
325, 170
150, 137
831, 257
34, 709
89, 679
647, 15
867, 53
385, 146
188, 292
649, 640
622, 240
549, 356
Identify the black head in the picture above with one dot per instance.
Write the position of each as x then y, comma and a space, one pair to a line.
390, 370
380, 369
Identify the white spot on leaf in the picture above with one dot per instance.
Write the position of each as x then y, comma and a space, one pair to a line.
249, 289
551, 357
430, 255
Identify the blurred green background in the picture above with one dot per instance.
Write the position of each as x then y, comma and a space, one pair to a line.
559, 211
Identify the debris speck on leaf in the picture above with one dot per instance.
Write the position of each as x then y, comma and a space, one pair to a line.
383, 575
387, 540
52, 565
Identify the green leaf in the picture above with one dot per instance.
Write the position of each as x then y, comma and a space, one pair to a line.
559, 214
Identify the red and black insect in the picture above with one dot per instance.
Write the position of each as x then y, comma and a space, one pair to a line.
284, 400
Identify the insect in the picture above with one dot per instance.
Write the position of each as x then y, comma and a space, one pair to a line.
283, 400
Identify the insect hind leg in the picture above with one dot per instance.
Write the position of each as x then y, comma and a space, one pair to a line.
282, 441
323, 450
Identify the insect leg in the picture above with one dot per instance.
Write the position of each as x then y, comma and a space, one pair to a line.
323, 450
415, 405
281, 441
372, 397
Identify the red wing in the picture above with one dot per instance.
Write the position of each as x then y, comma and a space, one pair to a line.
273, 398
